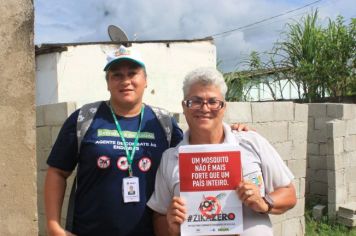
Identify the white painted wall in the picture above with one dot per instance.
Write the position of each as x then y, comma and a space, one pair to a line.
77, 75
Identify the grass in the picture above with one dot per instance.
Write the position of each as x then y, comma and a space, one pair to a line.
325, 227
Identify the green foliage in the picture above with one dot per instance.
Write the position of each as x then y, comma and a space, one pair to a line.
325, 227
319, 61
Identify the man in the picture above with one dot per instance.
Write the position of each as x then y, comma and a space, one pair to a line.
122, 147
106, 162
204, 108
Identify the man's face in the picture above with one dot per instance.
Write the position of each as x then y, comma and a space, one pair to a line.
204, 118
126, 83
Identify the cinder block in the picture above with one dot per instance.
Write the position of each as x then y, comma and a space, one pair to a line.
317, 162
318, 188
238, 112
347, 210
350, 222
312, 148
351, 127
299, 149
350, 143
42, 225
349, 111
319, 211
297, 210
352, 189
317, 110
341, 111
262, 111
335, 110
39, 116
275, 219
277, 229
320, 123
41, 156
336, 146
339, 196
301, 188
54, 133
336, 178
311, 123
293, 227
317, 136
336, 128
350, 173
297, 131
301, 112
43, 137
298, 168
56, 114
321, 176
337, 162
332, 210
283, 111
274, 132
350, 158
180, 118
284, 149
323, 149
296, 186
184, 126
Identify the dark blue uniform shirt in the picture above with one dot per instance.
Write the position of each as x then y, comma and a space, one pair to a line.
102, 165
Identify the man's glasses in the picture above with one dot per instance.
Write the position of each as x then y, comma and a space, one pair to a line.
196, 104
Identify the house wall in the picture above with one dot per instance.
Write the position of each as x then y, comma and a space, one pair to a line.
77, 74
18, 199
284, 124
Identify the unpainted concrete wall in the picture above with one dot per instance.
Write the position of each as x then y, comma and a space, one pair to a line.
18, 208
331, 154
284, 124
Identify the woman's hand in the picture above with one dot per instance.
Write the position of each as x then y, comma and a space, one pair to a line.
250, 195
176, 215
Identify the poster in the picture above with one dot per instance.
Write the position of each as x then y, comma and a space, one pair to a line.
209, 175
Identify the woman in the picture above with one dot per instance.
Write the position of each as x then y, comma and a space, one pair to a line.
267, 186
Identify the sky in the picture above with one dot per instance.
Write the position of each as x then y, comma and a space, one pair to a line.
70, 21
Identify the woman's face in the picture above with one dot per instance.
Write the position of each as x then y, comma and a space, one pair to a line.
207, 117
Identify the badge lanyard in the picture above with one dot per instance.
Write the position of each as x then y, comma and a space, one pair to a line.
129, 155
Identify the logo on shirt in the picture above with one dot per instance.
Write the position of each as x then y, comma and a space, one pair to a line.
103, 162
122, 163
144, 164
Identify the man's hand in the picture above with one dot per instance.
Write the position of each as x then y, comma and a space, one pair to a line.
241, 127
176, 215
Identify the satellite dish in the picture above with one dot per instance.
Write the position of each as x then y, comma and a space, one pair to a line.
116, 34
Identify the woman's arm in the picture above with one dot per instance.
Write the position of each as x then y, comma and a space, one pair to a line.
284, 198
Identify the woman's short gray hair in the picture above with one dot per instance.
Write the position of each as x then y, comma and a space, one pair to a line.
205, 76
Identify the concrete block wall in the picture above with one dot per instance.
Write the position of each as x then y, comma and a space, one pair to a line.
331, 151
317, 177
341, 156
49, 119
285, 125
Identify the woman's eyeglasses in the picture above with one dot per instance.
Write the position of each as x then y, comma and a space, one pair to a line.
196, 104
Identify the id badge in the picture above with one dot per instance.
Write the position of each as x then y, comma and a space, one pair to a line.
131, 189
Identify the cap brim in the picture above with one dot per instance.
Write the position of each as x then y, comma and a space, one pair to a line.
107, 67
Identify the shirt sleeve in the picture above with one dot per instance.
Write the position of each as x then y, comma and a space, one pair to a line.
162, 195
64, 154
274, 170
177, 133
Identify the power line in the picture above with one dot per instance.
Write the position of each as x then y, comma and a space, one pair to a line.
263, 20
